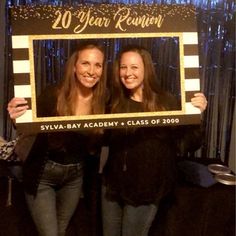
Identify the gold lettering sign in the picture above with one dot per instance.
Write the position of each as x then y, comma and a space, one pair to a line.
110, 23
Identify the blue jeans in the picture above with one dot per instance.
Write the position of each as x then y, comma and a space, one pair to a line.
126, 220
57, 197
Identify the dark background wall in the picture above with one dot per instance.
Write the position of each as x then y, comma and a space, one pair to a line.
2, 51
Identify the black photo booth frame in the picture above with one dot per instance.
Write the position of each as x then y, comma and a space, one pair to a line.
108, 21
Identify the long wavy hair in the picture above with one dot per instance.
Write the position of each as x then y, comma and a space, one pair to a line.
67, 93
152, 93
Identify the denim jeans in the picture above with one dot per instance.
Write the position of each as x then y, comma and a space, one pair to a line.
126, 220
57, 197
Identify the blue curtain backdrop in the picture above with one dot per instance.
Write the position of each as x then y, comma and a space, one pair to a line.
216, 28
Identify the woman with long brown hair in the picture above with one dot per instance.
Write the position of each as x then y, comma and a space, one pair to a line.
53, 164
140, 170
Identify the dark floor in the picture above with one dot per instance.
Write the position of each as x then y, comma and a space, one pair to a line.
194, 211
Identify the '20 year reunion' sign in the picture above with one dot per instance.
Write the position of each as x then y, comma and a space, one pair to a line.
104, 21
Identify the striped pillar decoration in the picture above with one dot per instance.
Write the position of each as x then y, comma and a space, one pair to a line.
21, 71
191, 70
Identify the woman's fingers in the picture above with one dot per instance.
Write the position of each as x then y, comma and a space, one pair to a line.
199, 100
17, 107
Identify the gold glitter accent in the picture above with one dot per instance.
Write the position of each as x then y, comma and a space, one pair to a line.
48, 12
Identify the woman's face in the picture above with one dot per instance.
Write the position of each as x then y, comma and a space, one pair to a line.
132, 71
89, 67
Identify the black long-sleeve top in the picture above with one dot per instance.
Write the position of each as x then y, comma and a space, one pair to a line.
141, 163
62, 147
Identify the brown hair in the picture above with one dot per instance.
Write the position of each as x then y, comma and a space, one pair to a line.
67, 92
151, 90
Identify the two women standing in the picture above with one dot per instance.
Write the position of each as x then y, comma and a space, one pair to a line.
140, 170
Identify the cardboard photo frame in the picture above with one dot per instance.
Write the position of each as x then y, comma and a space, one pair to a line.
104, 21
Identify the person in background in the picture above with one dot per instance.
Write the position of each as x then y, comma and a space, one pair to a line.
53, 163
140, 170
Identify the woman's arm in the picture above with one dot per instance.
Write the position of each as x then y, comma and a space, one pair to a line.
190, 137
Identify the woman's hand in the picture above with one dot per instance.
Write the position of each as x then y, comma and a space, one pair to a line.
17, 107
199, 101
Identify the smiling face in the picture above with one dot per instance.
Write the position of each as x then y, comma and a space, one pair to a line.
89, 67
132, 72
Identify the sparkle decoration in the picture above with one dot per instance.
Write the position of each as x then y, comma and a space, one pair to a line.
29, 11
103, 17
